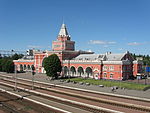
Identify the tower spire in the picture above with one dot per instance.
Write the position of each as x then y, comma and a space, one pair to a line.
63, 30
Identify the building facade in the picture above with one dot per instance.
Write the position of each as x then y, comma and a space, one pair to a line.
84, 63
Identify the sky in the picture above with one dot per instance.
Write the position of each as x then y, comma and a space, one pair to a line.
96, 25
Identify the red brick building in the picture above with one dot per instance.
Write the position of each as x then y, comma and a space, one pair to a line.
85, 63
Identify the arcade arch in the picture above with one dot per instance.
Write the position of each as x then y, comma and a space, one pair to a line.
73, 71
28, 67
21, 67
89, 72
25, 67
80, 71
66, 70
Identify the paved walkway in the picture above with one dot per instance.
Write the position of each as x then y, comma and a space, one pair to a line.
44, 78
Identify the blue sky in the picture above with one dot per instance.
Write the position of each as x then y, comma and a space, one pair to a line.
96, 25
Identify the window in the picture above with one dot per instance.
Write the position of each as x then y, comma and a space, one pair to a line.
55, 46
111, 75
105, 68
111, 68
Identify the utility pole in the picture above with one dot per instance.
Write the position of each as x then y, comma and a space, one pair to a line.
15, 77
147, 72
69, 68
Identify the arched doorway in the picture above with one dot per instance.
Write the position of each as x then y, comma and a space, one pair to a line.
25, 67
89, 72
21, 67
66, 70
29, 67
80, 71
73, 71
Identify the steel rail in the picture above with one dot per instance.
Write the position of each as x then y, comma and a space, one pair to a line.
116, 103
88, 107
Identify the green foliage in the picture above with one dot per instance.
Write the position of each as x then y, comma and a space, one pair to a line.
6, 65
9, 66
146, 58
0, 56
52, 65
0, 64
16, 56
3, 64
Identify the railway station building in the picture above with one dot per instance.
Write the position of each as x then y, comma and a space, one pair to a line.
85, 64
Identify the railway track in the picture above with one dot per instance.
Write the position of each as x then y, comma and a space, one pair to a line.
81, 90
79, 105
12, 103
88, 97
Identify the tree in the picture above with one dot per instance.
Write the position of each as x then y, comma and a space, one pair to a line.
9, 66
52, 65
17, 56
1, 64
0, 56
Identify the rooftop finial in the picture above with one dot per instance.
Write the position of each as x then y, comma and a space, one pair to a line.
63, 21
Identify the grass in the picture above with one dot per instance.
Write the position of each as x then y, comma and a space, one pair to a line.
108, 83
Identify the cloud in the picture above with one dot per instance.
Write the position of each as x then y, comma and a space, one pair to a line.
34, 46
101, 42
134, 44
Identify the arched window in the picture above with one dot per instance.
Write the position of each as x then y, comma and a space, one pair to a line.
80, 71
